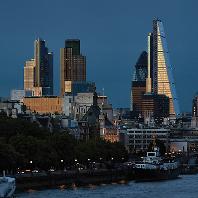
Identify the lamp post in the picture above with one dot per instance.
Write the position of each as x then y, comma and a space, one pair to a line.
62, 165
31, 162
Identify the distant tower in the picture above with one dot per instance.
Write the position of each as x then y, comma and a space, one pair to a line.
138, 87
163, 82
195, 106
149, 86
72, 63
43, 67
29, 69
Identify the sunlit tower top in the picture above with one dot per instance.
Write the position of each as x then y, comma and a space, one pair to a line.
163, 82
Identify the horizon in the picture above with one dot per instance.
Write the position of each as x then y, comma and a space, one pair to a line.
104, 50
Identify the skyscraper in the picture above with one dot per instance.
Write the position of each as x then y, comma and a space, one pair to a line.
43, 67
138, 87
157, 76
29, 69
72, 63
38, 72
163, 82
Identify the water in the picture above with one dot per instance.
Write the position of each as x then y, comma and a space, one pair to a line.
187, 187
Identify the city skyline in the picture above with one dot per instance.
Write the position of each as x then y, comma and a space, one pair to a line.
100, 49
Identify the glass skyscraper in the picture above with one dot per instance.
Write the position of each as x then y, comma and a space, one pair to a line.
162, 77
43, 67
38, 72
138, 86
153, 72
72, 64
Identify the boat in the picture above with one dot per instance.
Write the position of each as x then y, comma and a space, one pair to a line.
155, 168
7, 186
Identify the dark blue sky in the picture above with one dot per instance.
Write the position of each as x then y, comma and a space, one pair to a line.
112, 32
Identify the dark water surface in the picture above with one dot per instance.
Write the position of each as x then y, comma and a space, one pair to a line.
186, 187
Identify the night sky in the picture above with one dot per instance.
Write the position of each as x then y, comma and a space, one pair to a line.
112, 32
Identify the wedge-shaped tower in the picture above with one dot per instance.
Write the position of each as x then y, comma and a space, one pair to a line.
162, 77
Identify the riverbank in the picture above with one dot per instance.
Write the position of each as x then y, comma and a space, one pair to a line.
72, 178
178, 188
76, 178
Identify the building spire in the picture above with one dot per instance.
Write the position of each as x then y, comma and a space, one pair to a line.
148, 79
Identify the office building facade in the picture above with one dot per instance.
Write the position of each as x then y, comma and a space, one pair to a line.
163, 82
159, 78
38, 72
29, 70
73, 65
138, 87
43, 67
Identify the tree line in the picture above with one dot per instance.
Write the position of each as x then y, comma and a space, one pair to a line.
26, 145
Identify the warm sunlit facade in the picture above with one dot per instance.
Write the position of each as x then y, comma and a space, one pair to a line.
163, 82
29, 75
44, 104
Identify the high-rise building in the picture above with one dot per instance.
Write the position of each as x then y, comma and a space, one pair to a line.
43, 67
163, 82
29, 69
195, 106
38, 72
138, 87
72, 63
155, 104
158, 77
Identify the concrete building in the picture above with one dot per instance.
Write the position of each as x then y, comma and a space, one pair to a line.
44, 104
105, 107
29, 70
138, 139
17, 94
82, 103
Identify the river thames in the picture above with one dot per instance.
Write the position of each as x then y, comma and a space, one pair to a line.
185, 187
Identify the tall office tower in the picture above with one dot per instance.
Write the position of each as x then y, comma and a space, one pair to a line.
43, 68
195, 106
163, 82
149, 87
29, 69
73, 65
138, 87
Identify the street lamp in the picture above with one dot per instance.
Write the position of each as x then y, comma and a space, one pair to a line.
61, 161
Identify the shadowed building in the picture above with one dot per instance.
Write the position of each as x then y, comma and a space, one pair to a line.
138, 87
195, 106
155, 105
73, 65
38, 72
43, 67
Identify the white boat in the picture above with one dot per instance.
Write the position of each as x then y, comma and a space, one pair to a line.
7, 187
153, 167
